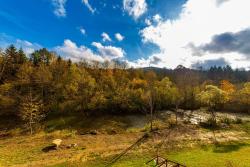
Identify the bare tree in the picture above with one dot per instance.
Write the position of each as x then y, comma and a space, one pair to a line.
150, 95
31, 111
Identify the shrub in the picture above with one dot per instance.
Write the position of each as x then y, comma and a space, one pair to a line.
227, 120
209, 123
238, 121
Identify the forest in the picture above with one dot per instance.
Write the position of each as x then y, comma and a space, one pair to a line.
33, 87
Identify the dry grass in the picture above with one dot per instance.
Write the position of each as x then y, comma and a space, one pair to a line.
27, 150
96, 150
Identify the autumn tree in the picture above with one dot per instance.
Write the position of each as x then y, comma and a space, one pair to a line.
7, 99
227, 86
163, 90
187, 80
213, 98
86, 89
31, 111
150, 95
244, 96
176, 99
42, 80
25, 77
168, 95
138, 87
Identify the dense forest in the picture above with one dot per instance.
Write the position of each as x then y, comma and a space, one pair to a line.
31, 87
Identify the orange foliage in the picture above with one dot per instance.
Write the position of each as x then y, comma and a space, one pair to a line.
227, 86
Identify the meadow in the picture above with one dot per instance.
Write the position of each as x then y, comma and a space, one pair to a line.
101, 139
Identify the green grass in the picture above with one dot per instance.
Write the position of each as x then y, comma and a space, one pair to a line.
222, 155
236, 154
126, 161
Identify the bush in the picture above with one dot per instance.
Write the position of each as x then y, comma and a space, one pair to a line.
238, 121
227, 120
209, 123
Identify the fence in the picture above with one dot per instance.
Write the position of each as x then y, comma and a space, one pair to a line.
163, 162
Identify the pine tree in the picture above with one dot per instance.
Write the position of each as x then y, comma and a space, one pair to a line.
21, 56
9, 67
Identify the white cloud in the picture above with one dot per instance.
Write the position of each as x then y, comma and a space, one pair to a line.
109, 52
152, 61
135, 8
69, 50
148, 22
219, 2
198, 22
83, 31
28, 47
59, 6
91, 9
119, 37
105, 37
157, 18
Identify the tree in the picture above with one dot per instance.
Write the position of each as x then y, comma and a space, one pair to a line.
86, 89
244, 96
31, 111
214, 98
21, 56
42, 80
41, 56
176, 99
2, 64
186, 80
137, 94
227, 86
149, 95
168, 95
9, 66
35, 58
7, 99
11, 52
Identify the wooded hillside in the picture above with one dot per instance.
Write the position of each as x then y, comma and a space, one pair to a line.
32, 87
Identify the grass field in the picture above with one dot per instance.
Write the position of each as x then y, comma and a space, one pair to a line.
225, 155
189, 145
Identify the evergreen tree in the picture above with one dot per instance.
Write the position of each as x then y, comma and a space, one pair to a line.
21, 56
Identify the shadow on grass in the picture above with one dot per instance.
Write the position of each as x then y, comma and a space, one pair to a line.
226, 148
109, 123
210, 126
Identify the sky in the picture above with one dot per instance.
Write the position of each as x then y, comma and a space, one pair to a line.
159, 33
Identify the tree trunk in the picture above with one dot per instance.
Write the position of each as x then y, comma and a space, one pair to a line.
176, 114
30, 124
31, 120
3, 68
151, 119
151, 105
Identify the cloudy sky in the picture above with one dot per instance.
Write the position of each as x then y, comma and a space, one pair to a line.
160, 33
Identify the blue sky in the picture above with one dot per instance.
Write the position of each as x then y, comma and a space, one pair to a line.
35, 21
140, 32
